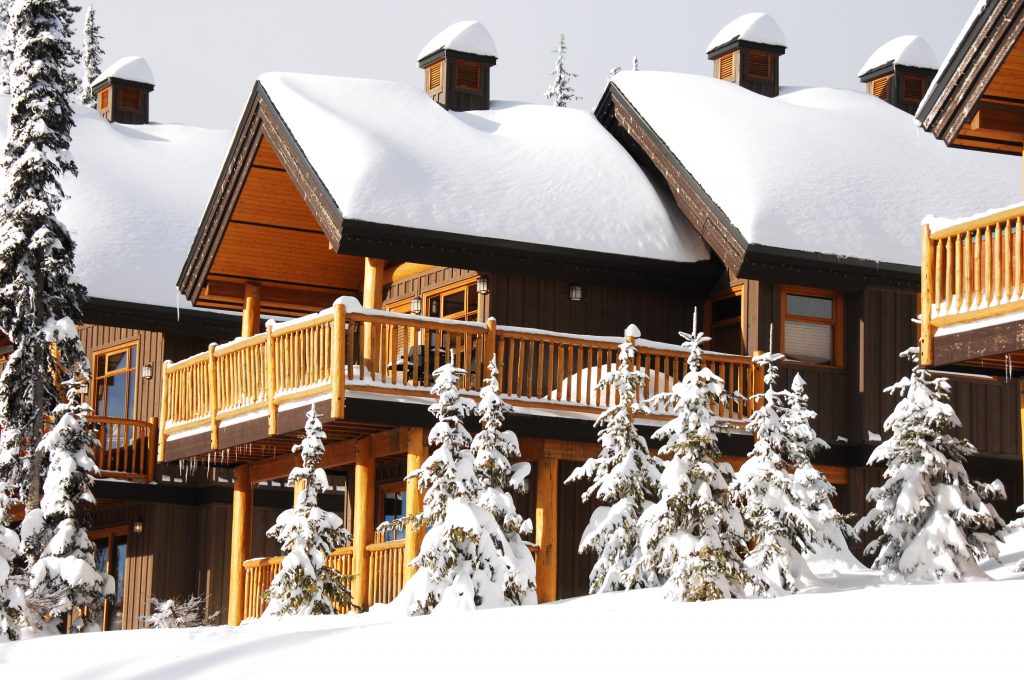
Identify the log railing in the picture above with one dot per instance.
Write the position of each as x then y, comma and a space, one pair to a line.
971, 271
260, 572
349, 347
127, 448
386, 564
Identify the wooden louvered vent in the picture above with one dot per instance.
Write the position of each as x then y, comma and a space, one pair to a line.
467, 75
880, 87
130, 98
913, 88
759, 65
104, 98
434, 77
726, 68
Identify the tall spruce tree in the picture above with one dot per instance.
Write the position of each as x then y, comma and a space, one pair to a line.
493, 451
694, 536
39, 304
767, 494
636, 64
6, 47
307, 584
462, 562
561, 90
64, 576
92, 56
623, 477
12, 597
935, 523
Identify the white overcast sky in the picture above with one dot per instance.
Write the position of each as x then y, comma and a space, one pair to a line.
206, 54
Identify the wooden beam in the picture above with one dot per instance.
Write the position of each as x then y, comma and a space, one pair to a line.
1008, 123
233, 292
373, 298
405, 270
251, 310
546, 529
362, 523
241, 533
414, 458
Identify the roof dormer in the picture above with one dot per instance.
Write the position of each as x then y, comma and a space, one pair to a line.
900, 71
122, 91
457, 65
747, 51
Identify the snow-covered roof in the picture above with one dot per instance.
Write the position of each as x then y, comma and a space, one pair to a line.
964, 31
133, 209
906, 50
128, 68
817, 169
544, 175
756, 27
463, 36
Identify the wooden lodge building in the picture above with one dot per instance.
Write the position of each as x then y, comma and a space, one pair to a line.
360, 232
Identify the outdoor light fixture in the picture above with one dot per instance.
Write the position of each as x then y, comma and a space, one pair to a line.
416, 306
435, 306
482, 285
147, 371
575, 292
137, 527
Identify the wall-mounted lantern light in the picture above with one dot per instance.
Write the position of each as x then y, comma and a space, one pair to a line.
137, 527
482, 285
575, 292
147, 371
416, 306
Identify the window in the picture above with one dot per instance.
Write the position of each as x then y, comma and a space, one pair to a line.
759, 65
114, 381
391, 506
454, 302
434, 76
811, 326
130, 98
111, 556
467, 75
723, 314
724, 67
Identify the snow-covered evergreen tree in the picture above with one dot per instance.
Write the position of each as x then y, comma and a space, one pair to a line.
636, 64
560, 90
6, 47
935, 523
766, 491
623, 477
39, 304
493, 451
12, 599
463, 559
307, 533
186, 613
694, 535
613, 72
64, 575
92, 55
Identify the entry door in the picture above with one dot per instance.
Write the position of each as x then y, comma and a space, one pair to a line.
111, 557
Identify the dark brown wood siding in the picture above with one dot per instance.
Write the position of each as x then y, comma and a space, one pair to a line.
151, 351
573, 578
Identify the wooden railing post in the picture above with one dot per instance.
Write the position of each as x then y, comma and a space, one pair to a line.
927, 288
414, 458
338, 363
546, 529
154, 428
490, 345
163, 409
241, 533
270, 386
362, 522
211, 372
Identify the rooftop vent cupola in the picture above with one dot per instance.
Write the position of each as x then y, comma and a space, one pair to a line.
900, 72
747, 52
457, 65
122, 91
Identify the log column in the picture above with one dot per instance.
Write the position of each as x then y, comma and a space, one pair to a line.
413, 498
241, 536
546, 528
251, 310
362, 521
373, 298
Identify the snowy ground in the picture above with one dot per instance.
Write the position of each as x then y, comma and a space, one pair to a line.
860, 628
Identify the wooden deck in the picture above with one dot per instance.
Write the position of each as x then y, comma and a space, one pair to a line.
127, 449
972, 280
348, 350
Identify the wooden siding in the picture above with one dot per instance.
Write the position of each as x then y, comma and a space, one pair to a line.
151, 351
425, 282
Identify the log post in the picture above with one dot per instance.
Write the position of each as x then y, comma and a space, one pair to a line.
251, 310
373, 298
490, 345
163, 409
362, 521
154, 434
414, 457
211, 373
270, 386
338, 362
927, 282
546, 528
241, 536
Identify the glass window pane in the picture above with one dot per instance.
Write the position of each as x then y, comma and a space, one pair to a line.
729, 308
454, 303
806, 305
810, 342
116, 361
102, 552
131, 360
116, 389
129, 411
471, 292
434, 305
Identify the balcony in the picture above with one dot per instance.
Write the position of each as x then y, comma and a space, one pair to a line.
127, 448
348, 352
972, 289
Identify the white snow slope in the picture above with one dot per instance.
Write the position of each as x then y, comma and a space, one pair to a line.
817, 169
859, 628
137, 202
387, 153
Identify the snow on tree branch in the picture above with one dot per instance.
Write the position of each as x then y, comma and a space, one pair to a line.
561, 90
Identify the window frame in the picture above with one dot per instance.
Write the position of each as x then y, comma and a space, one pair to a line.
837, 323
103, 353
738, 290
442, 291
109, 534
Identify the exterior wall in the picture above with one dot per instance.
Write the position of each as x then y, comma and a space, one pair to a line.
151, 351
425, 282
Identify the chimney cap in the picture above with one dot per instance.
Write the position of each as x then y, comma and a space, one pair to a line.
755, 27
906, 50
468, 37
133, 69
